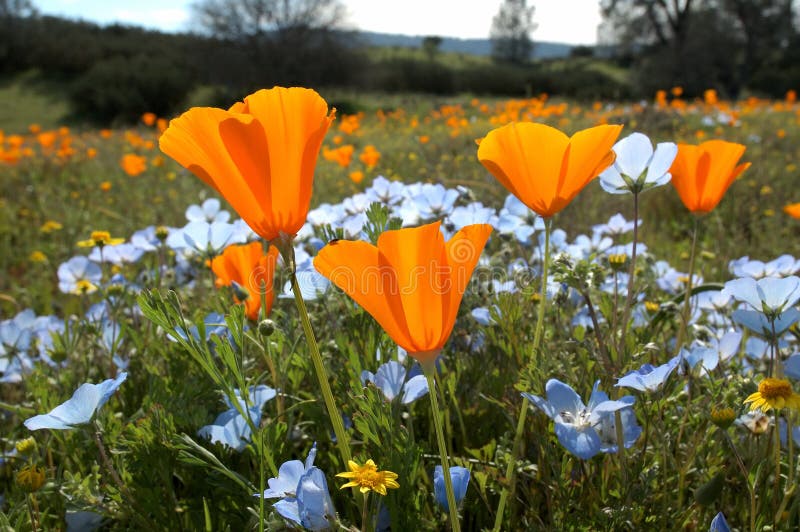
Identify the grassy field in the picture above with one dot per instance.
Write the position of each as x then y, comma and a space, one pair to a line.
62, 182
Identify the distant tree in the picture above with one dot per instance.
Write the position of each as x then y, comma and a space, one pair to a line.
699, 44
510, 32
286, 41
430, 45
248, 19
14, 37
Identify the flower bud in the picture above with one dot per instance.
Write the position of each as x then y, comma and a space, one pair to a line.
30, 478
266, 327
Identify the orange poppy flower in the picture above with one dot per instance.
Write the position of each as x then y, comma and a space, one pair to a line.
411, 283
133, 164
701, 174
793, 210
543, 167
247, 267
259, 155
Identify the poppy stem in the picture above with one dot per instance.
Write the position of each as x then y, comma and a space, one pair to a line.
511, 469
342, 440
429, 368
688, 296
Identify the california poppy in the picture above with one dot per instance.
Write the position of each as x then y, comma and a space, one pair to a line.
133, 164
247, 268
701, 174
793, 210
543, 167
259, 155
411, 283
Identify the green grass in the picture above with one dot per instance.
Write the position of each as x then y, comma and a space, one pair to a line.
25, 99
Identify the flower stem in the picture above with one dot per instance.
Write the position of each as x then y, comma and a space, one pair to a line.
511, 469
342, 440
687, 297
631, 273
429, 368
364, 526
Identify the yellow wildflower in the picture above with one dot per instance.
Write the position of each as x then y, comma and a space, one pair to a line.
367, 477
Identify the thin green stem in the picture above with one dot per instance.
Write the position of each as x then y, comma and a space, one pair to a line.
750, 488
687, 297
511, 469
364, 507
261, 482
631, 274
342, 440
429, 369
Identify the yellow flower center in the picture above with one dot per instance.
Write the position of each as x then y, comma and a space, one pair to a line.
84, 287
771, 388
651, 306
101, 237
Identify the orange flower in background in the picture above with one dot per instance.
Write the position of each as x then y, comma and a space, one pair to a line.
46, 139
793, 210
247, 268
701, 174
133, 164
710, 97
342, 155
411, 283
543, 167
149, 119
370, 156
106, 133
260, 155
356, 176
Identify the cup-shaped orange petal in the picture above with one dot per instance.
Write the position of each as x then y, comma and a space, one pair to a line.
412, 282
260, 155
793, 210
543, 167
252, 270
702, 174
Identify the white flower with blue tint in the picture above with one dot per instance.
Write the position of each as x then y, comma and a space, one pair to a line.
637, 167
434, 201
648, 378
769, 295
459, 477
387, 192
79, 275
205, 238
791, 366
231, 428
586, 430
474, 213
391, 380
118, 255
758, 322
208, 212
80, 408
518, 219
616, 225
783, 266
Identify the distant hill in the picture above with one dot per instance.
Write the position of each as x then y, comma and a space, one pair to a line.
541, 50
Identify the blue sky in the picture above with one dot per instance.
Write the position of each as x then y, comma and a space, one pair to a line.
571, 21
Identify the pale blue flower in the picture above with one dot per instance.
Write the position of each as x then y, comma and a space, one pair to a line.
205, 238
757, 322
459, 477
391, 380
118, 255
585, 430
232, 429
648, 378
783, 266
616, 225
518, 219
719, 524
637, 167
474, 213
387, 192
770, 295
791, 366
306, 500
80, 408
208, 212
83, 521
76, 270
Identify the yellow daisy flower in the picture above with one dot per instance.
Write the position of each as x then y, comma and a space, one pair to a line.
367, 477
100, 238
773, 393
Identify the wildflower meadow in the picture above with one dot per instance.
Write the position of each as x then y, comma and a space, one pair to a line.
346, 312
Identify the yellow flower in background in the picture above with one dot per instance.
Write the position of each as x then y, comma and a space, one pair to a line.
773, 393
100, 238
37, 256
30, 478
367, 478
50, 226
